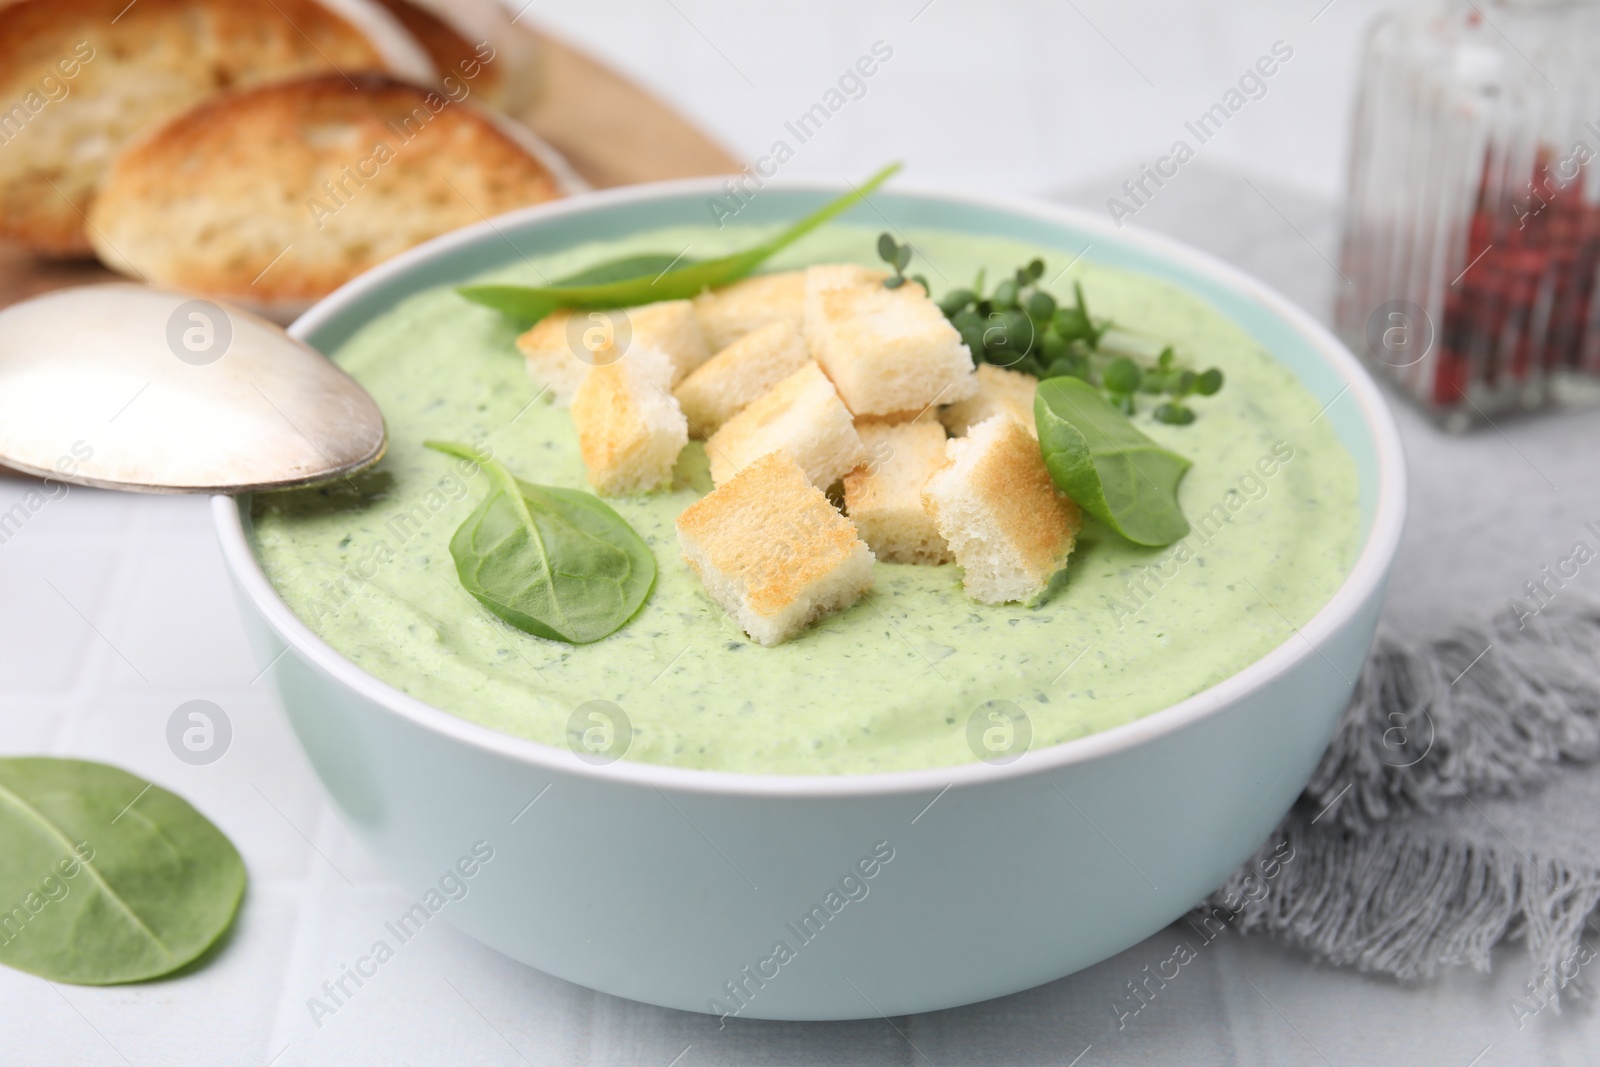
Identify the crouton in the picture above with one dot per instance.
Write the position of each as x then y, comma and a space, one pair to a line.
771, 550
1000, 392
630, 430
673, 327
825, 277
559, 351
728, 313
1009, 527
801, 415
883, 496
887, 350
735, 377
550, 356
899, 418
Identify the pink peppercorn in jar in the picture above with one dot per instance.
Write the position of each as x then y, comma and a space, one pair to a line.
1472, 237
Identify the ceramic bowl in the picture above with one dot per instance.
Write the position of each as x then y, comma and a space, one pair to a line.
835, 897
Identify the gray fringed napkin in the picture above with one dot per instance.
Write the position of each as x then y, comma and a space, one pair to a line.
1457, 806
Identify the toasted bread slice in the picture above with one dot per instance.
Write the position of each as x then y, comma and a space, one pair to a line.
745, 306
801, 415
630, 430
560, 348
1011, 530
1000, 392
883, 496
474, 47
738, 375
86, 75
274, 197
772, 551
887, 350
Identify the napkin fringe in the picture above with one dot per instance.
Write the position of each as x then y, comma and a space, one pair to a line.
1490, 709
1394, 903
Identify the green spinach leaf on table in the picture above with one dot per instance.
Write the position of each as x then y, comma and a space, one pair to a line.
106, 878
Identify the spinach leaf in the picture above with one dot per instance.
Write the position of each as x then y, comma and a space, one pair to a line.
1114, 472
626, 268
645, 279
555, 563
104, 877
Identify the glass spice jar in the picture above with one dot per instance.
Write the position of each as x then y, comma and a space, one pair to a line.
1471, 251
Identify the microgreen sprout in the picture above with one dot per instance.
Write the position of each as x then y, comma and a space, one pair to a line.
1074, 324
1180, 384
1022, 326
1120, 380
897, 256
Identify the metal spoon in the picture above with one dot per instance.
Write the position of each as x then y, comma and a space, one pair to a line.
126, 387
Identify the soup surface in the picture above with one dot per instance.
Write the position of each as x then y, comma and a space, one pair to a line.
904, 679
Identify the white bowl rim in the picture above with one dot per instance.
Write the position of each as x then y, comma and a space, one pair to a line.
1364, 580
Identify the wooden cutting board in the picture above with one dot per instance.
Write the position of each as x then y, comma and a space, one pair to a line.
612, 131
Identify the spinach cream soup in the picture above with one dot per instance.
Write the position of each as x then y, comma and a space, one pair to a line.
892, 682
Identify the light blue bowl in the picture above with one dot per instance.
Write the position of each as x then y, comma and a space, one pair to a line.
676, 887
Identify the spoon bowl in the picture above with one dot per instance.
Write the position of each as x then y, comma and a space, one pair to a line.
126, 387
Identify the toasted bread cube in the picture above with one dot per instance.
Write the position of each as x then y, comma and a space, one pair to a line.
731, 380
1000, 392
673, 327
1009, 527
825, 277
801, 415
887, 350
771, 550
630, 430
550, 358
728, 313
559, 351
899, 418
883, 496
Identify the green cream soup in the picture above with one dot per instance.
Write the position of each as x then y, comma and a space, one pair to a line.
890, 684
